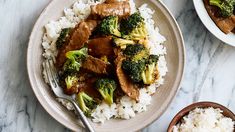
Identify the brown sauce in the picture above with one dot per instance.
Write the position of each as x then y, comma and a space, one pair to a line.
102, 46
96, 65
93, 67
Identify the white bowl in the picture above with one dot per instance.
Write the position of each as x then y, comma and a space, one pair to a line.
210, 25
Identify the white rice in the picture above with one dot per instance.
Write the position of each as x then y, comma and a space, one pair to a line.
126, 108
205, 120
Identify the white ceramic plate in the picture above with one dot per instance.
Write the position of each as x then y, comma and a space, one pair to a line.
210, 25
160, 100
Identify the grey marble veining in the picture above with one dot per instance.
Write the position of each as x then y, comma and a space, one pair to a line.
209, 73
19, 108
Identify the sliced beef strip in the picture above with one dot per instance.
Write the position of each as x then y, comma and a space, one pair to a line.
233, 30
96, 65
225, 24
88, 86
78, 36
71, 91
120, 9
128, 87
113, 1
99, 47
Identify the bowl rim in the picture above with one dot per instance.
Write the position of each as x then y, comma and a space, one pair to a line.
203, 104
177, 82
210, 25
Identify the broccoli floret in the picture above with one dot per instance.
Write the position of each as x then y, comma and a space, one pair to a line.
71, 66
106, 88
71, 81
136, 52
139, 33
133, 27
134, 69
109, 26
226, 6
134, 65
122, 43
71, 84
133, 21
132, 50
150, 74
86, 103
62, 38
143, 71
74, 59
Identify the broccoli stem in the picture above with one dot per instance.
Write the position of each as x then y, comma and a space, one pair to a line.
107, 98
226, 6
149, 72
106, 88
216, 3
81, 101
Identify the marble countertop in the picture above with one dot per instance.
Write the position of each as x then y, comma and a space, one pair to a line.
209, 73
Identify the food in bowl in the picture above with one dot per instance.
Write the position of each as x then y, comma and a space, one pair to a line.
222, 13
109, 56
205, 119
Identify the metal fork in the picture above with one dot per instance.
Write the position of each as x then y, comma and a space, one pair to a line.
53, 81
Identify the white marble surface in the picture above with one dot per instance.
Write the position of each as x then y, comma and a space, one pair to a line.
209, 73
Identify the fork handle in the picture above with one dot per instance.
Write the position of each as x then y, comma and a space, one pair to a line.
83, 118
